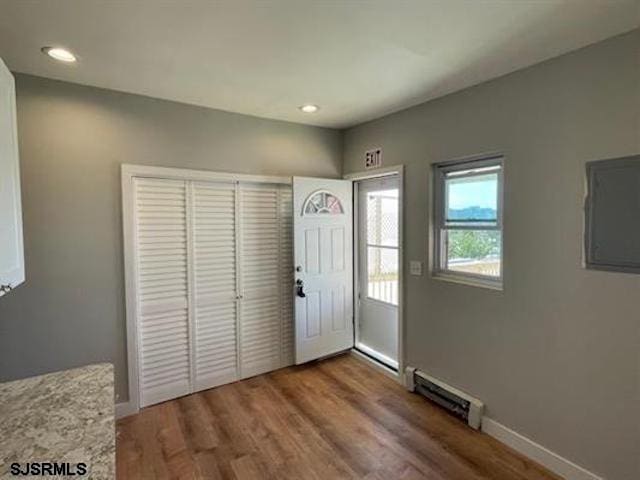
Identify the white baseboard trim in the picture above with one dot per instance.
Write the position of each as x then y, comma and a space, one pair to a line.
530, 449
125, 409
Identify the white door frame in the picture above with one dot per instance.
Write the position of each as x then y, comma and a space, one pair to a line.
128, 173
366, 175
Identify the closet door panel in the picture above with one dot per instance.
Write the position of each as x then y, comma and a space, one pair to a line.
260, 314
215, 283
286, 274
161, 254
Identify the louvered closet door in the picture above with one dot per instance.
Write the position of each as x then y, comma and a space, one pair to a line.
286, 273
215, 288
162, 296
260, 311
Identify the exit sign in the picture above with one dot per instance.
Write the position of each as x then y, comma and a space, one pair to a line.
373, 158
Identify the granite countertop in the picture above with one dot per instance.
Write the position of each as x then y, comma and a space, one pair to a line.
62, 417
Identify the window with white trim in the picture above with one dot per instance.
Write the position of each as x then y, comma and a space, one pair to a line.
468, 221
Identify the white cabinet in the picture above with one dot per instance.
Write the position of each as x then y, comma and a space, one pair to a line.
11, 247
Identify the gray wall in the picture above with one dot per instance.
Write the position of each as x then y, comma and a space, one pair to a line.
556, 356
72, 141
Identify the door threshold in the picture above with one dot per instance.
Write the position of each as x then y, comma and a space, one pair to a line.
377, 356
381, 367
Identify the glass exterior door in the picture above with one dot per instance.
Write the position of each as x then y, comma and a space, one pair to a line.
378, 248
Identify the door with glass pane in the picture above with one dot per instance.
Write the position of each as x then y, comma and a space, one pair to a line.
323, 258
378, 249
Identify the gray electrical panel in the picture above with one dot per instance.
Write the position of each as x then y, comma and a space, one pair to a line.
612, 215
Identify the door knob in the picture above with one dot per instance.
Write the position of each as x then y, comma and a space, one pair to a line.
300, 288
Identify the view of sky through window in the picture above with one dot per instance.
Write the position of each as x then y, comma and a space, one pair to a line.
472, 197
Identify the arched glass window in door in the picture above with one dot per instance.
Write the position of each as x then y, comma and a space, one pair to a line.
322, 202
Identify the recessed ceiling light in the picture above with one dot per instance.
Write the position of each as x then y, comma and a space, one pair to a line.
309, 108
60, 54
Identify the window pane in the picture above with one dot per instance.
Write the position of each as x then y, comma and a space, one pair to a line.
471, 198
382, 217
473, 251
323, 202
382, 274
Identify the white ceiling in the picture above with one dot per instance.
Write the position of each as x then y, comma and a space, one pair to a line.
358, 60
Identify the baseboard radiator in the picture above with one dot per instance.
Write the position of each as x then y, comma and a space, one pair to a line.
458, 403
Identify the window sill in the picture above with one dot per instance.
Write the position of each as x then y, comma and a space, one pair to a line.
469, 281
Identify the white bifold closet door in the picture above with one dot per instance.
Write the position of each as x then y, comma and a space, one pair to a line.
164, 360
286, 275
213, 282
260, 312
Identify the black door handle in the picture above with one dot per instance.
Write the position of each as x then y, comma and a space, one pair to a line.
300, 288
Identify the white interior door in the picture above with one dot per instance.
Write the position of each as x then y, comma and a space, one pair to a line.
378, 267
323, 259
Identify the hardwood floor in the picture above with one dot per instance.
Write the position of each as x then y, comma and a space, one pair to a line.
338, 418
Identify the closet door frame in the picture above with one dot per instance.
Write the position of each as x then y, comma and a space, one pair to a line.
128, 173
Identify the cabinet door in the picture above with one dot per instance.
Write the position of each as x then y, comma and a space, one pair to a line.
215, 292
164, 347
11, 249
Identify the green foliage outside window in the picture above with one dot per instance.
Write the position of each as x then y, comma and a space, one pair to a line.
473, 243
